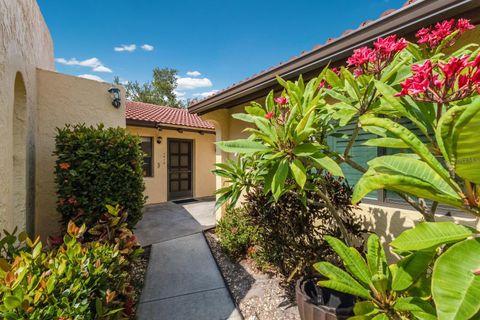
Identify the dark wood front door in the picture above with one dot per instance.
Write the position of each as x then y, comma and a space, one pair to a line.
180, 169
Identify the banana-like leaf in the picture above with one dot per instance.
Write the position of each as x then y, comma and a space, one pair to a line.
386, 143
465, 143
376, 259
327, 163
242, 146
340, 280
244, 117
255, 110
427, 235
410, 139
278, 181
352, 259
298, 172
396, 103
455, 287
373, 180
307, 149
412, 168
410, 268
419, 308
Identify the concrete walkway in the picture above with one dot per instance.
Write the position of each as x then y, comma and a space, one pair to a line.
182, 281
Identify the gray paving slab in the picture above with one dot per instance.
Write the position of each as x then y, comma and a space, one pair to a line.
180, 266
206, 305
164, 222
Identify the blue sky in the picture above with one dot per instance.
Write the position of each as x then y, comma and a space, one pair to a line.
224, 41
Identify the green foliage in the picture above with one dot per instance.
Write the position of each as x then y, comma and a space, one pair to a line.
160, 91
388, 290
95, 167
291, 233
236, 233
73, 281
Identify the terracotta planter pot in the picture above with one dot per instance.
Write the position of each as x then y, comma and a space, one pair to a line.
316, 303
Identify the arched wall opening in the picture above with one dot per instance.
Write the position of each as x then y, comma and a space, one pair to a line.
20, 155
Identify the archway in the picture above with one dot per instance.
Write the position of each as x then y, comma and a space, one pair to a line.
19, 128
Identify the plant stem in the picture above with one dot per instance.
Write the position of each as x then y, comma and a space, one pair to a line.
336, 216
353, 138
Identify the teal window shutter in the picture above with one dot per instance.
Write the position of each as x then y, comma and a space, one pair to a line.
360, 153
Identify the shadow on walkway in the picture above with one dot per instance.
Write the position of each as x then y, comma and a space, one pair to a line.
182, 280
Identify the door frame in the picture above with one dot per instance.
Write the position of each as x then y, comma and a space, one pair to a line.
192, 169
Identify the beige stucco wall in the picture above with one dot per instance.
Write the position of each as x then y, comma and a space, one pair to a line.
203, 163
25, 44
64, 99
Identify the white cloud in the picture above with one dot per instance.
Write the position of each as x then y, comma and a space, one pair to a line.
205, 94
147, 47
91, 77
94, 63
179, 94
188, 83
126, 47
193, 73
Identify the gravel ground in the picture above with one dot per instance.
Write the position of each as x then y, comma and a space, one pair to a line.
257, 295
139, 269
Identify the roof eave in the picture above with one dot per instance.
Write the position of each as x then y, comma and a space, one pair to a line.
402, 21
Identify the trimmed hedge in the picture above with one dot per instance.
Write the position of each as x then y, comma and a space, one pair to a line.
96, 167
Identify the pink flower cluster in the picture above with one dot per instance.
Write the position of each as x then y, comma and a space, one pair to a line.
443, 82
432, 36
374, 60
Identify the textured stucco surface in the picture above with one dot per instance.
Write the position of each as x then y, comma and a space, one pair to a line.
25, 44
64, 99
203, 162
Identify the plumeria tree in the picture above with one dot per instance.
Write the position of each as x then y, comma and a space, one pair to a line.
437, 92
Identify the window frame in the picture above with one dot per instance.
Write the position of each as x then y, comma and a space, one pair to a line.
152, 167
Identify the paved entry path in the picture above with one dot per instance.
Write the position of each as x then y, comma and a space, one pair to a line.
182, 281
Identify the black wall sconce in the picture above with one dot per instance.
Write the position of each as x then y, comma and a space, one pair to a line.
180, 130
116, 98
159, 140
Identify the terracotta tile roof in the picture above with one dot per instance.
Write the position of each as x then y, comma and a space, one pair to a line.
164, 115
316, 47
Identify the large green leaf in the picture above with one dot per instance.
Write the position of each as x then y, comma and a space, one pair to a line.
298, 172
386, 143
352, 259
278, 180
410, 268
373, 180
428, 235
418, 307
410, 139
340, 280
465, 143
412, 168
327, 163
242, 146
455, 288
376, 258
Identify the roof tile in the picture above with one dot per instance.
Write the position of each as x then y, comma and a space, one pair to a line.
164, 115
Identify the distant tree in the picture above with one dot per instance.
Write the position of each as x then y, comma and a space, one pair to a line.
158, 91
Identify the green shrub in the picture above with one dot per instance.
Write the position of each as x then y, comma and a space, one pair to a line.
73, 281
97, 166
236, 233
291, 234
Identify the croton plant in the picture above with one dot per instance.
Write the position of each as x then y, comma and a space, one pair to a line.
421, 101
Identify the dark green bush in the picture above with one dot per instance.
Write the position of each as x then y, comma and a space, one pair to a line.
97, 166
291, 233
236, 233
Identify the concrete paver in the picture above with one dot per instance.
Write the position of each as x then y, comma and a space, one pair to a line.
182, 280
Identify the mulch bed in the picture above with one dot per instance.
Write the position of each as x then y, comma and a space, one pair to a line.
257, 295
139, 269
